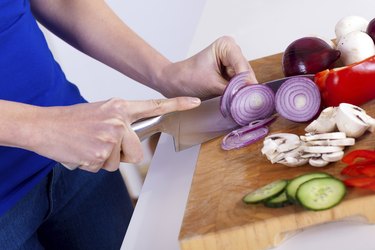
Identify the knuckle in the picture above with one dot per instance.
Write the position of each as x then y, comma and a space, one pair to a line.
157, 104
117, 105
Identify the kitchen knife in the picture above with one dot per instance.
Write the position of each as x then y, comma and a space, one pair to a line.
194, 126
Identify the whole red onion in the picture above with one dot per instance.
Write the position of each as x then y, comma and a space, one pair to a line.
308, 55
371, 29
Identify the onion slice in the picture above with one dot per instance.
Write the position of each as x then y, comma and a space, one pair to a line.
241, 137
252, 102
298, 99
237, 82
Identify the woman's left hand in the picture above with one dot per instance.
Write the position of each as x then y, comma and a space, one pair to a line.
206, 74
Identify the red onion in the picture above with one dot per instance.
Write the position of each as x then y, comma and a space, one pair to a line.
371, 29
308, 55
236, 83
252, 102
241, 137
298, 99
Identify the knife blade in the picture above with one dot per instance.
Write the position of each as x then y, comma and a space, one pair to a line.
189, 127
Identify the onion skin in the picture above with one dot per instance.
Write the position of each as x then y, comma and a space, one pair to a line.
308, 55
371, 29
352, 84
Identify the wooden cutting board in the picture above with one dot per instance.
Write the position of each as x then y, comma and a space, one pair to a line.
216, 217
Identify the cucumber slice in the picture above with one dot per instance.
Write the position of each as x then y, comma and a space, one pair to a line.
279, 201
291, 188
321, 193
266, 192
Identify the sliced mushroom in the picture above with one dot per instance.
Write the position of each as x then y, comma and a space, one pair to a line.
352, 120
322, 149
309, 155
324, 136
326, 122
338, 142
333, 157
294, 162
318, 162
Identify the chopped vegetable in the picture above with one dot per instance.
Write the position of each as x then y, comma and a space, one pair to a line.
361, 163
355, 168
321, 193
353, 120
293, 185
360, 182
298, 99
242, 137
352, 84
308, 55
359, 155
326, 122
252, 102
237, 82
279, 201
314, 191
266, 192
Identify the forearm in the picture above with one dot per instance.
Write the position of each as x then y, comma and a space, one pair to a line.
17, 125
92, 27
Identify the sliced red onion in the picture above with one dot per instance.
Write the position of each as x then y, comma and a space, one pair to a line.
236, 83
252, 102
298, 99
240, 138
262, 122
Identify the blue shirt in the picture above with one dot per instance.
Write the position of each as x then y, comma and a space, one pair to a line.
28, 74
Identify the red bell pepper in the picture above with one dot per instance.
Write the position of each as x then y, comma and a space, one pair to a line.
356, 169
353, 84
359, 182
368, 170
355, 155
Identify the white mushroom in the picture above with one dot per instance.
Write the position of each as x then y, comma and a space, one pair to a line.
326, 122
339, 142
352, 120
333, 157
322, 149
318, 162
324, 136
355, 47
348, 24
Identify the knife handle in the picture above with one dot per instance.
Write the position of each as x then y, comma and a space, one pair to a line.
144, 129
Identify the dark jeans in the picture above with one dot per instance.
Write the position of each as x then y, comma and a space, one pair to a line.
69, 210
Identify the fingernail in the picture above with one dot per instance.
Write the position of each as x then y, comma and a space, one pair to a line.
195, 100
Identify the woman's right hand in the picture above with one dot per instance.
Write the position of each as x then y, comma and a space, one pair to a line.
98, 135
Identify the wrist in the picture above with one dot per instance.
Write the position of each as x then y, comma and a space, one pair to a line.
172, 79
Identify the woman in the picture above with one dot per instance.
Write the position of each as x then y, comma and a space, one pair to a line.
45, 121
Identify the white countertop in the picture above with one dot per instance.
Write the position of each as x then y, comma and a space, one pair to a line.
159, 212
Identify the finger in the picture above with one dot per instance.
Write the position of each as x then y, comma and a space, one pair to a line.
149, 108
113, 161
231, 56
91, 169
131, 147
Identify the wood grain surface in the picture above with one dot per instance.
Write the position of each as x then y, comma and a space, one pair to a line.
216, 217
